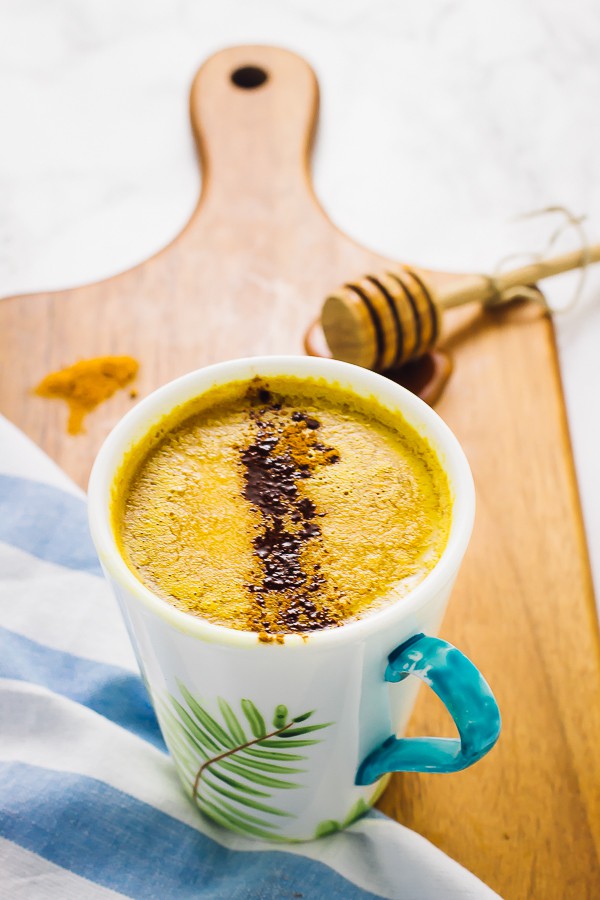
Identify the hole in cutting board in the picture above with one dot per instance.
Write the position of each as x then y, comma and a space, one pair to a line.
249, 77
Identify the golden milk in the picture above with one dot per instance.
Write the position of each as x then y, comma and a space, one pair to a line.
281, 505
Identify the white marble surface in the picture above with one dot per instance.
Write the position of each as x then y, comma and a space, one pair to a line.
473, 112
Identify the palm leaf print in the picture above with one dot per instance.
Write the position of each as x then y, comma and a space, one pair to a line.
237, 762
330, 826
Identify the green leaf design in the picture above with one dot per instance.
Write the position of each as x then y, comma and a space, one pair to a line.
243, 815
248, 801
303, 717
358, 810
200, 736
258, 777
232, 782
233, 776
280, 716
219, 815
297, 732
236, 731
270, 743
269, 767
211, 725
269, 754
330, 826
255, 720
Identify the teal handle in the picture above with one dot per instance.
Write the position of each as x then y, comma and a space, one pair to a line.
462, 689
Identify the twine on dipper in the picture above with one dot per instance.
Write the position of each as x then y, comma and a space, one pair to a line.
532, 292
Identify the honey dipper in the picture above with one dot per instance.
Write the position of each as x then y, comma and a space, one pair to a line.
383, 321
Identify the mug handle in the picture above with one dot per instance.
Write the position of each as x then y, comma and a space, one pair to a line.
465, 693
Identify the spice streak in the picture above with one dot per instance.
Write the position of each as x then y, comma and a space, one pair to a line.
284, 455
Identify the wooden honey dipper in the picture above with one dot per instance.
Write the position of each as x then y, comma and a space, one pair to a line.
381, 322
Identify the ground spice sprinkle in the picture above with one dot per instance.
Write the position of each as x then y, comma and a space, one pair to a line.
285, 452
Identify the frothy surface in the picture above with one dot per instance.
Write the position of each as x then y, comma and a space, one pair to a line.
281, 505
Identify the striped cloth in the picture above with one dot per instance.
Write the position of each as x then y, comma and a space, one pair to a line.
90, 806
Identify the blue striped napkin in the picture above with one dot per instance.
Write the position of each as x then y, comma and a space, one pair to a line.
90, 806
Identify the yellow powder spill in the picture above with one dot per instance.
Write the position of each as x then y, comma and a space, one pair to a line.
88, 383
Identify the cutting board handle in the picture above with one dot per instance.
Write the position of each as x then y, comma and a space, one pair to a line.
253, 112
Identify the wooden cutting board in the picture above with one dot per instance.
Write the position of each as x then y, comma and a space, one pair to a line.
246, 276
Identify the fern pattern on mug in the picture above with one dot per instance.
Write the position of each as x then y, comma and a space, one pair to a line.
235, 766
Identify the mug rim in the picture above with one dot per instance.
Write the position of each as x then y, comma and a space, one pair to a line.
135, 425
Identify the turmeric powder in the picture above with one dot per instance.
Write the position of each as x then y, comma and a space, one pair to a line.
303, 445
86, 384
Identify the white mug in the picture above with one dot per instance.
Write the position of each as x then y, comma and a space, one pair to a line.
293, 741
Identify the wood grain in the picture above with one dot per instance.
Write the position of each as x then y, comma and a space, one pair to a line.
247, 276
